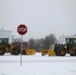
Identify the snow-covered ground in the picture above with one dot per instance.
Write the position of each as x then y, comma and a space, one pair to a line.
37, 65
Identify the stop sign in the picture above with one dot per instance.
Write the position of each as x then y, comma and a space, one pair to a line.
22, 29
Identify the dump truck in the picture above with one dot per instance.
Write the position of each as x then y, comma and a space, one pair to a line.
62, 49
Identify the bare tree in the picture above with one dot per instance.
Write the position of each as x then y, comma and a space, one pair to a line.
43, 43
46, 43
37, 45
31, 43
50, 39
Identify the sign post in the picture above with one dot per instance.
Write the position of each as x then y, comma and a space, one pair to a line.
21, 50
22, 30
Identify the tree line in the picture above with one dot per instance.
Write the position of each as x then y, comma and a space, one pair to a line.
40, 44
43, 43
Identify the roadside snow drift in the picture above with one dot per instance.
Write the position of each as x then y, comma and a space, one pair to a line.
37, 65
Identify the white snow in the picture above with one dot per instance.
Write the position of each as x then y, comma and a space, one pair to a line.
37, 65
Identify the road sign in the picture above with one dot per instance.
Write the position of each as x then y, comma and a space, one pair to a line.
22, 29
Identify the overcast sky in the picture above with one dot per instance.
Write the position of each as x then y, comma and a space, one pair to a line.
42, 17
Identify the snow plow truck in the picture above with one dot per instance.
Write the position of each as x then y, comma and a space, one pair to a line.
13, 48
62, 49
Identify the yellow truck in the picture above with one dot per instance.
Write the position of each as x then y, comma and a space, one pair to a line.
62, 49
13, 48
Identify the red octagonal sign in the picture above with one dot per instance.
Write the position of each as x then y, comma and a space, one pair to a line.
22, 29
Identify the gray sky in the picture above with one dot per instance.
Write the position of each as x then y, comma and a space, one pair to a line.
42, 17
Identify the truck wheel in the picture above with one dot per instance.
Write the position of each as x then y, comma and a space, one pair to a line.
56, 51
23, 52
2, 51
43, 54
75, 52
71, 54
62, 52
12, 52
16, 51
49, 55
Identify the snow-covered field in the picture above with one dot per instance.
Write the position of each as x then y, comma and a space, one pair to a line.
37, 65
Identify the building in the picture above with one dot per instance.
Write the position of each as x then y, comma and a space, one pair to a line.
5, 34
62, 39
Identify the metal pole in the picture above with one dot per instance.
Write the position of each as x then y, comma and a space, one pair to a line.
21, 51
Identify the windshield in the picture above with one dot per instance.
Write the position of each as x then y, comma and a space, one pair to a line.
4, 40
70, 40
